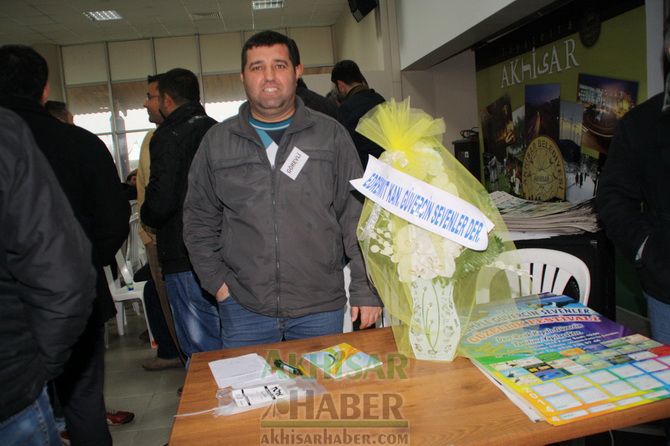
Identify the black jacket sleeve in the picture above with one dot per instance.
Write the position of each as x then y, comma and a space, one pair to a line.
620, 195
162, 195
110, 209
46, 252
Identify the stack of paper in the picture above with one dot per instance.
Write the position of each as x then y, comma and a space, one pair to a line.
537, 216
243, 371
560, 361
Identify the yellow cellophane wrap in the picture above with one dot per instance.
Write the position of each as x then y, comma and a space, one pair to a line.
428, 283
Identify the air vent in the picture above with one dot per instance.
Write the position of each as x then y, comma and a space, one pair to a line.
205, 16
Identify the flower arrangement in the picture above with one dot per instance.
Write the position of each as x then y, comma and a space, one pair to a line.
428, 282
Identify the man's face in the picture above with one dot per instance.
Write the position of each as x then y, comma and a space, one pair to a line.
152, 103
269, 80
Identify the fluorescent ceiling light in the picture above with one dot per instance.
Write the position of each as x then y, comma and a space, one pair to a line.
266, 4
102, 16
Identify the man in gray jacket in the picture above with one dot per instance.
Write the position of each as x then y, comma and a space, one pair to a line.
269, 215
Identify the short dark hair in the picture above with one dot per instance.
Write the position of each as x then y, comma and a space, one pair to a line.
57, 109
23, 72
348, 72
153, 78
270, 38
181, 84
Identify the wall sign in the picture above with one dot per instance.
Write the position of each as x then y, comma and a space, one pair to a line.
561, 82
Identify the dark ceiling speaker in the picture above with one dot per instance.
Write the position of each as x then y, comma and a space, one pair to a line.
361, 8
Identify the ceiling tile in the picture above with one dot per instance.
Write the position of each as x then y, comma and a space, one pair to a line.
210, 27
35, 20
144, 18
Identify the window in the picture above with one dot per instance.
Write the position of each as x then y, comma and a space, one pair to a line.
224, 94
90, 107
113, 108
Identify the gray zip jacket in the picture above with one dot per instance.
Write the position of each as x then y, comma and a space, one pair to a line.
277, 243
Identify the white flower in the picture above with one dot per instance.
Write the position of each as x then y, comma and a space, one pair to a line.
441, 180
424, 255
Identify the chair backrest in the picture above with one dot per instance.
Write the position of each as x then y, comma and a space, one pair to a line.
543, 270
135, 253
124, 271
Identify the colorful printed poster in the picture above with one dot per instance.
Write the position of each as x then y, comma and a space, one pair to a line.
565, 360
596, 75
605, 101
543, 107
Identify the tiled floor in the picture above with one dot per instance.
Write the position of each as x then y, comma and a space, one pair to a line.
151, 395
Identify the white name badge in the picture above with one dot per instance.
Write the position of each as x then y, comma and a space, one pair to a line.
294, 163
424, 205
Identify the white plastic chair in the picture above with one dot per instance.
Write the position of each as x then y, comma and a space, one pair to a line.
134, 247
542, 271
128, 291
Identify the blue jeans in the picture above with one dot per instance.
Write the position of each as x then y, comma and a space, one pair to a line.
241, 327
659, 319
157, 322
196, 317
33, 426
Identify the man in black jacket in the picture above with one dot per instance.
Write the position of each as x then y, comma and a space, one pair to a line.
171, 151
47, 285
356, 100
634, 203
314, 100
86, 172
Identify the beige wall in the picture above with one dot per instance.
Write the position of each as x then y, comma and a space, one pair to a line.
456, 95
446, 91
359, 41
372, 44
52, 56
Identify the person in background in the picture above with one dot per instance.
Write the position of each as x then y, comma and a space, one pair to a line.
633, 201
47, 285
59, 110
172, 148
314, 100
332, 96
270, 214
155, 297
87, 174
356, 99
129, 186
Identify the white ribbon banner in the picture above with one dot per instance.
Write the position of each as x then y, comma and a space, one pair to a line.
424, 205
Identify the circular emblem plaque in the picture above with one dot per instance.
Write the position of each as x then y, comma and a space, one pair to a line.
543, 175
589, 27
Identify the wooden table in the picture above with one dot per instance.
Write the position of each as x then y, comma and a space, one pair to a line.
438, 403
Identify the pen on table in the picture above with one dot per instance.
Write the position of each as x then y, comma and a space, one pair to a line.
287, 367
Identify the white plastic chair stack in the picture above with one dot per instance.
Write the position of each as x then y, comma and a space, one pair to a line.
136, 255
542, 271
128, 291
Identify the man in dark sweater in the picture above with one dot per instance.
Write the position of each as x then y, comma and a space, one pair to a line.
172, 148
47, 285
314, 100
86, 172
356, 100
634, 203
